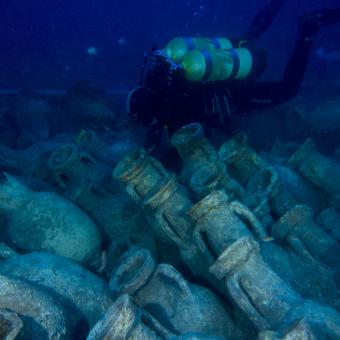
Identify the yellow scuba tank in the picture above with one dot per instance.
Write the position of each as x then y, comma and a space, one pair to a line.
214, 65
177, 48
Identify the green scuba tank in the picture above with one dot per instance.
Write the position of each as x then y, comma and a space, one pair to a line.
177, 48
215, 65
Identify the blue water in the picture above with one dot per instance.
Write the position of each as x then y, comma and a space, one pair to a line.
62, 136
44, 43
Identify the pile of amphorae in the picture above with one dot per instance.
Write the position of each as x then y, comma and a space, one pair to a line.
85, 254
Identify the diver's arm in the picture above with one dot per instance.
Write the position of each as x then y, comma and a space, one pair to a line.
266, 94
263, 20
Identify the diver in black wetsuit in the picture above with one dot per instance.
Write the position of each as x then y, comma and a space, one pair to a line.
167, 99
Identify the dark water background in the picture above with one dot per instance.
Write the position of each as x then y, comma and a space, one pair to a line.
44, 42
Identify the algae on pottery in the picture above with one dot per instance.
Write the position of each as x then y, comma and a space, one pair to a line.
254, 288
195, 336
140, 173
294, 189
167, 208
317, 168
74, 169
31, 161
90, 142
240, 159
41, 313
168, 203
214, 176
312, 278
219, 222
300, 330
6, 252
115, 214
90, 185
194, 149
268, 301
121, 245
260, 188
298, 229
69, 281
181, 306
124, 320
329, 219
45, 221
10, 325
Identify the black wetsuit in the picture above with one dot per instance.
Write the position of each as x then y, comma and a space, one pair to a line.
172, 101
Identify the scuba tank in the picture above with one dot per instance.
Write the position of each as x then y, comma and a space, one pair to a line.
177, 48
206, 59
204, 65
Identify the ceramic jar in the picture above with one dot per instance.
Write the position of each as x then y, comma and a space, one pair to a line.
85, 182
281, 151
194, 149
268, 301
294, 189
214, 176
300, 330
260, 188
71, 283
140, 173
30, 162
118, 247
220, 222
73, 170
253, 287
116, 215
317, 168
6, 252
167, 212
168, 204
90, 142
329, 220
124, 320
240, 159
10, 325
179, 305
298, 229
195, 336
312, 278
42, 314
45, 221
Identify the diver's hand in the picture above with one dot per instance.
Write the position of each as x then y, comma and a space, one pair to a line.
309, 24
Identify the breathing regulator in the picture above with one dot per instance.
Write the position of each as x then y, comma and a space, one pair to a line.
205, 59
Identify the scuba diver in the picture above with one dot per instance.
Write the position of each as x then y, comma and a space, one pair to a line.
207, 80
